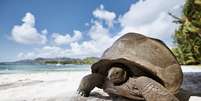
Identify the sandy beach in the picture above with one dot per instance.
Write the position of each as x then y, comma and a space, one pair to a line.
44, 86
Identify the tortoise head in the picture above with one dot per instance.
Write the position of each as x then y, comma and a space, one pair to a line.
117, 75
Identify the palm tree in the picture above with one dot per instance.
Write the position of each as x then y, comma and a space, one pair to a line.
188, 36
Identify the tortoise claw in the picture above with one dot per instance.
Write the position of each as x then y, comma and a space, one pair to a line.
82, 93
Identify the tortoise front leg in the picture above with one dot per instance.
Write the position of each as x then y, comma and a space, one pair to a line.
140, 88
127, 90
152, 90
89, 82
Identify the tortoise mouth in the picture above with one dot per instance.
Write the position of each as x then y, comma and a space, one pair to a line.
117, 80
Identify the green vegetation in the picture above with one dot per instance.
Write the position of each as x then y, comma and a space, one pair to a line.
188, 36
88, 60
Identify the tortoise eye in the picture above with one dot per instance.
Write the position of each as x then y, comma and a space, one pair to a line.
116, 72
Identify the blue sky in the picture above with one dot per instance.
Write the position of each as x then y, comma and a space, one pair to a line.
73, 28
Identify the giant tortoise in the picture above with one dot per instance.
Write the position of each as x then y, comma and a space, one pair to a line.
137, 67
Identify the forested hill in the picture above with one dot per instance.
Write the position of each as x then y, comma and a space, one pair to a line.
63, 60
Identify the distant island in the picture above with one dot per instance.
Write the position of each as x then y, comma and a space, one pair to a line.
62, 60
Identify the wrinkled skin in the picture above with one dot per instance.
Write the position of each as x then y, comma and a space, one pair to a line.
137, 88
117, 75
140, 88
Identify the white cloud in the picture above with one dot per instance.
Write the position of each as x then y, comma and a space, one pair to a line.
29, 19
27, 33
44, 31
97, 31
151, 19
146, 17
46, 51
99, 41
28, 55
103, 14
147, 11
60, 39
82, 50
76, 51
51, 51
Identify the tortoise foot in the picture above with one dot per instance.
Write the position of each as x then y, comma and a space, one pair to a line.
89, 82
152, 90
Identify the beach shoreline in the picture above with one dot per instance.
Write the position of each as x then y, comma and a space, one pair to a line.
44, 86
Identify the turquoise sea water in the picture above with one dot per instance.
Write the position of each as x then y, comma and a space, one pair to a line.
26, 68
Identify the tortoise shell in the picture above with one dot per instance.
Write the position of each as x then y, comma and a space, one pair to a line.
142, 55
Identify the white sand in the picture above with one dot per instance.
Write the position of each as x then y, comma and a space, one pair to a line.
43, 86
39, 86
